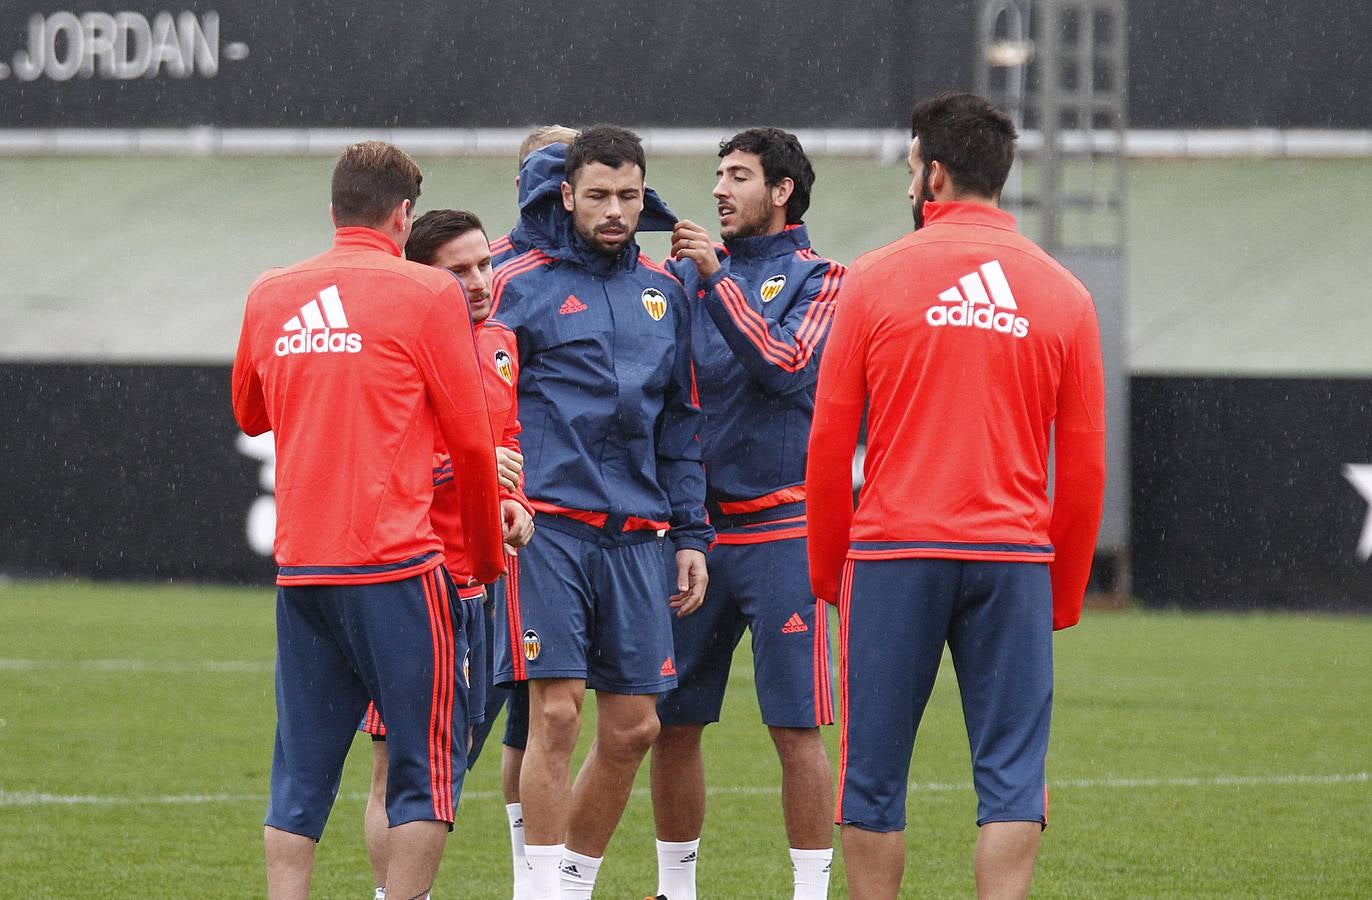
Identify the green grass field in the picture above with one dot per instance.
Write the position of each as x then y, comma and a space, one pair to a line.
1192, 755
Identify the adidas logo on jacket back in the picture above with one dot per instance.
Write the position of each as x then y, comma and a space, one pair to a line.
315, 330
970, 306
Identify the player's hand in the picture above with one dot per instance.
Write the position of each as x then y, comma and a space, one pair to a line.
691, 242
691, 578
517, 526
509, 465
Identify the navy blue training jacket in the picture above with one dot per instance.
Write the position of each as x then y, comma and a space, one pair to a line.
757, 329
609, 425
522, 236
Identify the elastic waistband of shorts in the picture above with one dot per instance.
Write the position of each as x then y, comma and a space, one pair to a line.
722, 522
607, 536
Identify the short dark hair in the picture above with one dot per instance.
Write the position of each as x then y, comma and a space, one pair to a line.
974, 140
435, 228
607, 144
782, 157
369, 179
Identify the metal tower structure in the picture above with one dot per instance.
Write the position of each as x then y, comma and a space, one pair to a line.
1059, 69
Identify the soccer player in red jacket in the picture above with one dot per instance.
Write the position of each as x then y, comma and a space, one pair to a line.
355, 360
971, 350
455, 240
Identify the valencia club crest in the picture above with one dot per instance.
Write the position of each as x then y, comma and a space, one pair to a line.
655, 302
504, 366
771, 287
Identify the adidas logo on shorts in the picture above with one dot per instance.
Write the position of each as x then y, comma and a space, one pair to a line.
317, 330
794, 625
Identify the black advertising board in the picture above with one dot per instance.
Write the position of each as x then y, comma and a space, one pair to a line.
484, 64
1245, 492
1252, 492
130, 472
243, 63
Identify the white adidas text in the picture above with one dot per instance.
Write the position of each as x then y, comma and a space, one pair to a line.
319, 342
316, 329
970, 305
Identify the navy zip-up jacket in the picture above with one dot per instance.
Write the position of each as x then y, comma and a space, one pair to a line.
522, 236
757, 328
609, 425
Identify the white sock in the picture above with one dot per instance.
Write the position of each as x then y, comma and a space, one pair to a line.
544, 881
380, 894
515, 813
578, 874
811, 868
676, 869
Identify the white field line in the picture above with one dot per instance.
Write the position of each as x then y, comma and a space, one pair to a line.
35, 798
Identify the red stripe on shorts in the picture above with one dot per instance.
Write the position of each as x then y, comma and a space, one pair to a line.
824, 701
845, 605
441, 698
516, 627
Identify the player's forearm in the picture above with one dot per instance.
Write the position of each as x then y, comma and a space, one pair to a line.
249, 405
478, 493
683, 480
829, 495
1079, 494
780, 354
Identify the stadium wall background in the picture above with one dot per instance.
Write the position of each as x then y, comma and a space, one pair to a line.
1244, 490
246, 64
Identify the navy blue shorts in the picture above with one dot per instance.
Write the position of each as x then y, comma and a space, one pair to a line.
476, 674
588, 604
895, 615
764, 587
495, 696
401, 643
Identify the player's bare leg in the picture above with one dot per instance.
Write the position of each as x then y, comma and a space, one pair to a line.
874, 861
545, 777
416, 849
511, 762
807, 787
290, 862
626, 725
375, 824
1005, 859
678, 780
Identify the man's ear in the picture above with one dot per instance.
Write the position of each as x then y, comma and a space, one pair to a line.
940, 182
568, 203
782, 191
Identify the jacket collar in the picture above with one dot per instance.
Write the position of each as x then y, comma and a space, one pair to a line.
766, 246
958, 212
359, 237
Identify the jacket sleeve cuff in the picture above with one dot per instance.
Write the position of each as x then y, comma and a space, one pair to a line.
692, 540
518, 497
